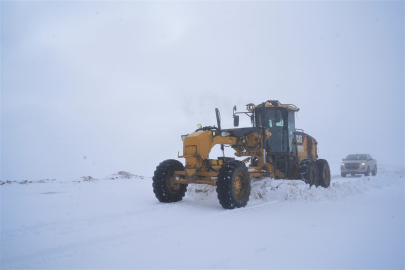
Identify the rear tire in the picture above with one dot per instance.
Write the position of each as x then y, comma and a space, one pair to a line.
309, 172
233, 185
367, 173
163, 182
374, 172
324, 173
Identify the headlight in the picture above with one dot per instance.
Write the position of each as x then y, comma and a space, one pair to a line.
362, 164
250, 107
183, 137
343, 164
225, 134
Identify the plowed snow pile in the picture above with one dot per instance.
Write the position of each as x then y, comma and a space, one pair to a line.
267, 189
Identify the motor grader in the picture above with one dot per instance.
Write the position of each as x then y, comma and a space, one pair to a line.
272, 147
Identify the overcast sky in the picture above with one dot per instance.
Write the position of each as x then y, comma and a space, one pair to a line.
92, 88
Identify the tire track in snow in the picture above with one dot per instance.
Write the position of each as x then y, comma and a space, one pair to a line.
140, 235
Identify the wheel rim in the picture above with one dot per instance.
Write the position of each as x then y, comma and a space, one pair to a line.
239, 185
172, 186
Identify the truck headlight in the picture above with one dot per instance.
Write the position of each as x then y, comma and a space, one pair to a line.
225, 134
343, 164
362, 164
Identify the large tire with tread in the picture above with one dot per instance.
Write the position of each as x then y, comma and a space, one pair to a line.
308, 172
324, 173
374, 172
165, 190
343, 174
233, 185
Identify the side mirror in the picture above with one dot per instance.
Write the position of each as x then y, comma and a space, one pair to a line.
343, 159
236, 120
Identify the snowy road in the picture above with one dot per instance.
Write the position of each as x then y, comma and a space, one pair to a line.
356, 223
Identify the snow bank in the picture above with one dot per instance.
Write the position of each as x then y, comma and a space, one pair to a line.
267, 189
123, 175
116, 176
295, 190
25, 182
119, 175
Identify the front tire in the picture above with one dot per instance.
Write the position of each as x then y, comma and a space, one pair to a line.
324, 173
367, 173
164, 186
343, 174
374, 172
233, 185
309, 172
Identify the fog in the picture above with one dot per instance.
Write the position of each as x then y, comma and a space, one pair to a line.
93, 88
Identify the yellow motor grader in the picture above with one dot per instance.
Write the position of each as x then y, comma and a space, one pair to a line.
273, 147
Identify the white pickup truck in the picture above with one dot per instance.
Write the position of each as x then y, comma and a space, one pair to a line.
358, 164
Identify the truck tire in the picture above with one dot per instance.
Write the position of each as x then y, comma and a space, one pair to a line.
308, 172
233, 185
324, 173
163, 182
374, 172
343, 174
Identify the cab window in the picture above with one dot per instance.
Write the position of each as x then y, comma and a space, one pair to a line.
281, 125
291, 129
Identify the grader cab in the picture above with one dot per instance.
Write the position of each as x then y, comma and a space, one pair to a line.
271, 147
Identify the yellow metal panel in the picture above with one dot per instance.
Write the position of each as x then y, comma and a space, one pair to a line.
196, 148
204, 142
302, 149
191, 150
281, 106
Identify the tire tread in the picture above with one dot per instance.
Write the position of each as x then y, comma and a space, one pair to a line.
159, 185
224, 185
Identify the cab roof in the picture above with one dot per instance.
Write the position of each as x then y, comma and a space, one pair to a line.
274, 104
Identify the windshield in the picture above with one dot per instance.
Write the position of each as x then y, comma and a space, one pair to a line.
356, 157
281, 125
273, 118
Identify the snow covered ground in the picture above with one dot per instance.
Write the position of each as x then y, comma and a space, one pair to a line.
116, 222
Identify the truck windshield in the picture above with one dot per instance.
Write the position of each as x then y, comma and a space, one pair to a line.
356, 157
